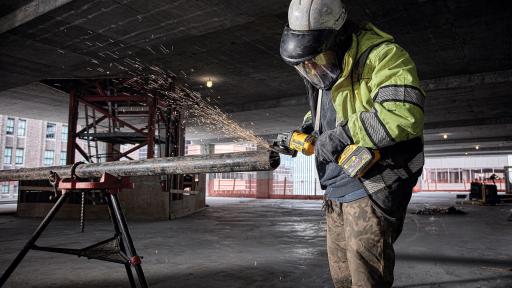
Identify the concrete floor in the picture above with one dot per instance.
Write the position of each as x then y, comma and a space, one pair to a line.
269, 243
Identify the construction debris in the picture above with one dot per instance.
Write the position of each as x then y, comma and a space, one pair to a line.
439, 211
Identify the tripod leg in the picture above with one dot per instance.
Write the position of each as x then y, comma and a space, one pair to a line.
40, 229
121, 244
130, 275
129, 242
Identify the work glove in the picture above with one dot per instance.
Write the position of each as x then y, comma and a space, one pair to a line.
307, 128
330, 144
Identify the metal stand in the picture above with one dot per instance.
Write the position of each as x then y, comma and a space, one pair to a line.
117, 249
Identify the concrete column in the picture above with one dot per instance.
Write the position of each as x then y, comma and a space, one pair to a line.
113, 152
264, 181
508, 177
146, 201
206, 149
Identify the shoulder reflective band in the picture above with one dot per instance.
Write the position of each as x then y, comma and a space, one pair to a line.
400, 93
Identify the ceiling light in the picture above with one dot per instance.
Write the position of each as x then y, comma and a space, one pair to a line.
209, 83
445, 136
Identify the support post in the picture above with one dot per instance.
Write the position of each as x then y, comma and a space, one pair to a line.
113, 152
72, 123
151, 127
263, 184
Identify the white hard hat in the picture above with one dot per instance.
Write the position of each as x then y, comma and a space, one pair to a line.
309, 41
316, 14
312, 26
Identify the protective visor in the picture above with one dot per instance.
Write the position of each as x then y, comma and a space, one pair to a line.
298, 46
322, 70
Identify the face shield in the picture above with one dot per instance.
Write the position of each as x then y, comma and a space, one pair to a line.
322, 70
310, 53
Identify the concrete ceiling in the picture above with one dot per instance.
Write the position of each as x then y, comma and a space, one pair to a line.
463, 50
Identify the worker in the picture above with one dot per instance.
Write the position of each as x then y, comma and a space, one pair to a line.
363, 89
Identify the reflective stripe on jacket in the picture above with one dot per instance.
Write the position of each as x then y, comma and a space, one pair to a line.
386, 105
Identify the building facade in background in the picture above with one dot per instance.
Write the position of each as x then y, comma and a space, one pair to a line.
297, 177
457, 173
26, 143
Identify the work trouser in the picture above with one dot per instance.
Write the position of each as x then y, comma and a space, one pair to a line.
360, 244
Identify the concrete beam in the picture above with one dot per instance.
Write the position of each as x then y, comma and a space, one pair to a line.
469, 80
35, 100
468, 155
268, 104
28, 12
468, 123
505, 150
499, 139
482, 149
452, 82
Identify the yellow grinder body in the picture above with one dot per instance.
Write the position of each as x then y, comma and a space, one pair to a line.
302, 142
355, 160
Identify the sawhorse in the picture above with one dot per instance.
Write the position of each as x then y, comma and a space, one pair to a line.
117, 249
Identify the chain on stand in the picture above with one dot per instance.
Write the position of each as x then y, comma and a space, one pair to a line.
82, 213
82, 200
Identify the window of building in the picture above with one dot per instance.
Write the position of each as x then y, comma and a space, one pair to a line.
454, 175
20, 155
50, 131
5, 188
442, 175
64, 133
22, 127
49, 155
143, 152
10, 126
7, 155
63, 156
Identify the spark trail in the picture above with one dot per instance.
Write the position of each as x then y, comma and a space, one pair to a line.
153, 80
161, 83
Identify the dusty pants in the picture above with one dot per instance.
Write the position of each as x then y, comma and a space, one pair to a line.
360, 244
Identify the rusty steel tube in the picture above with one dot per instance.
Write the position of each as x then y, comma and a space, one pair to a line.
214, 163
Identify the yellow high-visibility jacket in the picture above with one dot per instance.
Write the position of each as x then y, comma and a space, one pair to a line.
379, 97
379, 103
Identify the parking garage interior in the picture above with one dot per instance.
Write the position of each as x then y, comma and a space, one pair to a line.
180, 96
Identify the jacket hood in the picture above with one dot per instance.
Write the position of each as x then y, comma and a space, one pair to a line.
367, 37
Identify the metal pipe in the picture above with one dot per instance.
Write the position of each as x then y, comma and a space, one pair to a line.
261, 160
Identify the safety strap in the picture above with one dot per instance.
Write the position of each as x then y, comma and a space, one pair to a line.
357, 69
360, 63
318, 109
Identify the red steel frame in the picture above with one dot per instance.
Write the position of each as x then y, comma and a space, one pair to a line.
160, 116
155, 115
